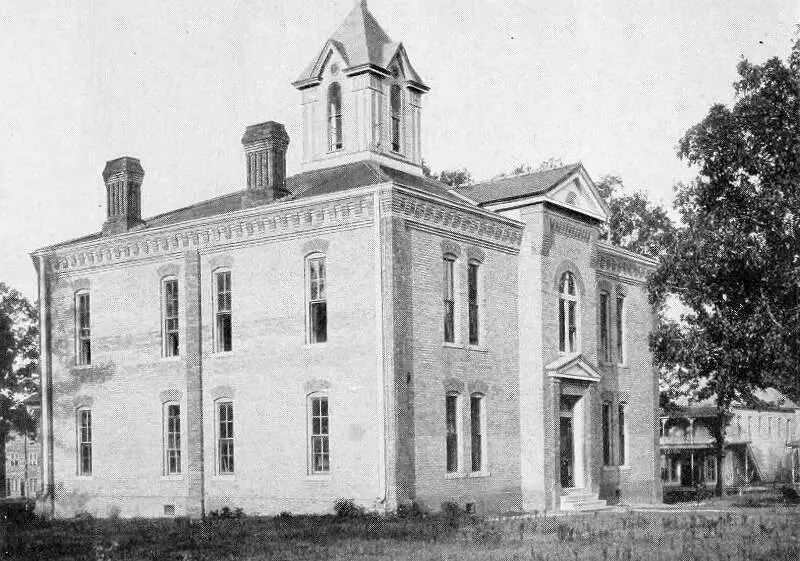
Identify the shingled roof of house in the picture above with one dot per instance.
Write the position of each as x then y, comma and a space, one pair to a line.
517, 186
361, 41
303, 185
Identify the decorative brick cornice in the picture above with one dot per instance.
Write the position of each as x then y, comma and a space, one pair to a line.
463, 224
621, 267
250, 226
570, 229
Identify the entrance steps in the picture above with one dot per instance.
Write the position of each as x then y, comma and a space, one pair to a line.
580, 500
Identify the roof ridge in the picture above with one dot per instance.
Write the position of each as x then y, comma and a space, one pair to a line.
528, 174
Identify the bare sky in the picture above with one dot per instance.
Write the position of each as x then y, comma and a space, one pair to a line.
614, 84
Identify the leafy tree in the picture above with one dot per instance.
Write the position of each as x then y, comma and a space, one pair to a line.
735, 262
635, 223
18, 364
453, 178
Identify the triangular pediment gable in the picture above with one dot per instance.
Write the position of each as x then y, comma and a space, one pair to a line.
578, 193
396, 54
332, 51
573, 367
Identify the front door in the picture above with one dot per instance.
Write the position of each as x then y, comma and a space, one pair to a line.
567, 455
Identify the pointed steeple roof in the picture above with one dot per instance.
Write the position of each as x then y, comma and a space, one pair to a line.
362, 43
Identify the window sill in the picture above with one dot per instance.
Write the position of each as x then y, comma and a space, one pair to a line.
176, 358
624, 468
452, 345
318, 477
478, 349
479, 474
610, 468
335, 150
455, 475
173, 477
219, 354
224, 477
316, 345
84, 476
82, 366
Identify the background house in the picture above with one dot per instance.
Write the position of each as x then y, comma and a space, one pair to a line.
760, 444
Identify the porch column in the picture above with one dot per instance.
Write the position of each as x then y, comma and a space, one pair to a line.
691, 431
556, 413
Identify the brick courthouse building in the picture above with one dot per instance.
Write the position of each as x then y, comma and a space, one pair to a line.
356, 330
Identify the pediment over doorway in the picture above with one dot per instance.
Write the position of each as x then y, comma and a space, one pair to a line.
573, 367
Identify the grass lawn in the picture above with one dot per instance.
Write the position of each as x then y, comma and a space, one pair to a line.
763, 534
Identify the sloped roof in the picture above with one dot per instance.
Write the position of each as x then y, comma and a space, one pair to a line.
303, 185
772, 399
517, 186
361, 41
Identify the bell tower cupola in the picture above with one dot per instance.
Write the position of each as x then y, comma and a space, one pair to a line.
362, 99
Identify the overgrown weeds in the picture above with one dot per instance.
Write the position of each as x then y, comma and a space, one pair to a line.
450, 534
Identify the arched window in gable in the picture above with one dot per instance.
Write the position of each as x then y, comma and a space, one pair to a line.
335, 117
567, 314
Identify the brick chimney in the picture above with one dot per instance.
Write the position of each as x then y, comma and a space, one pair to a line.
123, 178
265, 147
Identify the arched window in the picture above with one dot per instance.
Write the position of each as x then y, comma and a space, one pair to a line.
223, 324
477, 416
567, 314
317, 318
84, 422
172, 438
83, 328
452, 419
396, 102
170, 332
605, 348
335, 117
319, 433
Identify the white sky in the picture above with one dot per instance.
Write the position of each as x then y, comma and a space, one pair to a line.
614, 84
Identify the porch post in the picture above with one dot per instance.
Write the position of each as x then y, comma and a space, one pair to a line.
556, 443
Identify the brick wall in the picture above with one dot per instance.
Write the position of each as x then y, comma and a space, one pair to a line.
491, 367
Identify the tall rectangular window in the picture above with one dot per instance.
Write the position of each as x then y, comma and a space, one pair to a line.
477, 417
451, 425
472, 293
606, 434
396, 103
620, 330
449, 300
84, 442
83, 324
223, 340
605, 349
225, 436
320, 435
172, 439
170, 307
317, 301
623, 431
